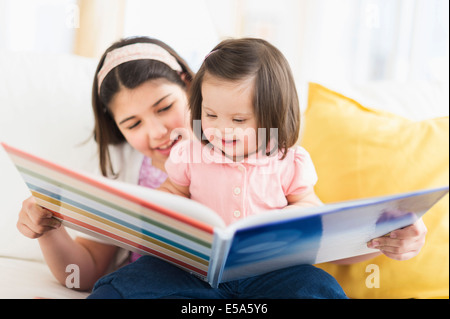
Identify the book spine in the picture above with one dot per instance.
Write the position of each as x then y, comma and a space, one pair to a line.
220, 249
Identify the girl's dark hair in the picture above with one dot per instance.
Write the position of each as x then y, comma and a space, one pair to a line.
275, 98
129, 75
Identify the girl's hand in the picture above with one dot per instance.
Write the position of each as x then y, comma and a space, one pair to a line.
402, 244
34, 221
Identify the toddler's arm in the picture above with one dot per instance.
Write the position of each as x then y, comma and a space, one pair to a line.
305, 199
173, 188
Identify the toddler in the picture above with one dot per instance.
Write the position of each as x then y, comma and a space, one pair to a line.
246, 119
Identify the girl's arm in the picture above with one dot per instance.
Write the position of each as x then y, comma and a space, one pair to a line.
91, 258
60, 250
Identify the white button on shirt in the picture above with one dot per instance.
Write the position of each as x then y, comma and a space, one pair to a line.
237, 191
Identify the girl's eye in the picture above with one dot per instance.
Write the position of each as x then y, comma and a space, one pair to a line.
134, 125
239, 120
165, 108
211, 115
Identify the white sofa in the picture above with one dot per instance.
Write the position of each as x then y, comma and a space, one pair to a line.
45, 108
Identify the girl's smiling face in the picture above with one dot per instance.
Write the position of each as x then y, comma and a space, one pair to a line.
228, 119
148, 114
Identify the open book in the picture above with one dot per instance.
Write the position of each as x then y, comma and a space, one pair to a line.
194, 238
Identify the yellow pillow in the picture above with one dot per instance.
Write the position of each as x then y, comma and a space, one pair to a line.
359, 152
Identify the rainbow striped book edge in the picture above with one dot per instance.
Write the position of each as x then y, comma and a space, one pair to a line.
100, 209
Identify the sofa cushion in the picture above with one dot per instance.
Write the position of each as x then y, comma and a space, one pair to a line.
360, 152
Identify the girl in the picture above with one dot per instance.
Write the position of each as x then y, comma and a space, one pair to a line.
139, 96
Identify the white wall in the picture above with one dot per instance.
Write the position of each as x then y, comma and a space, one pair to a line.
38, 25
355, 41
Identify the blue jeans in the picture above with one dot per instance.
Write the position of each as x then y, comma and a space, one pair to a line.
151, 278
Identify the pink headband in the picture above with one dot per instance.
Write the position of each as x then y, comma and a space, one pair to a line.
137, 51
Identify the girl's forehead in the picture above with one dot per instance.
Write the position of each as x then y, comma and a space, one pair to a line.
150, 89
146, 94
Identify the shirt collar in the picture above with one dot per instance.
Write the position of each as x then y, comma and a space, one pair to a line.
211, 154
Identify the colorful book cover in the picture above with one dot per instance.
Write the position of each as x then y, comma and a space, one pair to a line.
194, 238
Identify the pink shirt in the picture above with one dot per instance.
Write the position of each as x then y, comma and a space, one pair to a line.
150, 176
239, 189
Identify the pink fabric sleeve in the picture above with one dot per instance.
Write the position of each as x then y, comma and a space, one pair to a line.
302, 175
177, 165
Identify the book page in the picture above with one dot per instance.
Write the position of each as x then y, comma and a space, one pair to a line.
285, 238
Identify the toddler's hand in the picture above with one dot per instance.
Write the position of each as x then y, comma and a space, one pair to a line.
34, 221
402, 244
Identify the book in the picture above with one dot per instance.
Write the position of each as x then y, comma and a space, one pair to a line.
194, 238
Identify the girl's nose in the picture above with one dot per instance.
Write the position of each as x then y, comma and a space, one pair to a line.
156, 130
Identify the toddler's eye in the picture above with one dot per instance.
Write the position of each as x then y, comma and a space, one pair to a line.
239, 120
211, 115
